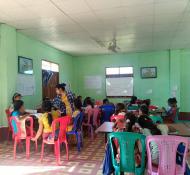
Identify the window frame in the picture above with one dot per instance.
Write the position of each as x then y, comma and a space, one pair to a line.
119, 76
50, 63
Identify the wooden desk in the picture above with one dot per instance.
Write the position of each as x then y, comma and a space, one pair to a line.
182, 129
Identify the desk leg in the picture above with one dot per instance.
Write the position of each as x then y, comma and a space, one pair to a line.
106, 138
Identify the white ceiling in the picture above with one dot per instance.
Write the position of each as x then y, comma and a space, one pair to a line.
82, 27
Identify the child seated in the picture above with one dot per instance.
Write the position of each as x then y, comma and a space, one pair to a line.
45, 122
19, 113
77, 110
171, 111
15, 97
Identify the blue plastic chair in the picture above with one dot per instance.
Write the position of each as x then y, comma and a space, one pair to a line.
107, 112
77, 130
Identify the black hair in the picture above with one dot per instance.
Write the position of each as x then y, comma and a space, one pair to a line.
105, 101
172, 101
78, 104
47, 107
133, 100
15, 95
61, 86
144, 109
145, 122
132, 120
146, 102
86, 99
18, 104
89, 102
119, 108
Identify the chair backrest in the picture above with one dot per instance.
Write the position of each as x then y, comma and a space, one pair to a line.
16, 127
90, 115
116, 117
8, 115
107, 112
167, 146
96, 113
156, 119
78, 122
127, 141
63, 123
133, 107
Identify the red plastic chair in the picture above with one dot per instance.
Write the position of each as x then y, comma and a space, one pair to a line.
8, 115
89, 123
63, 123
167, 146
96, 116
116, 117
17, 135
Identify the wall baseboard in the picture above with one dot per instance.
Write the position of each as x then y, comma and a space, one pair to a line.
3, 133
184, 116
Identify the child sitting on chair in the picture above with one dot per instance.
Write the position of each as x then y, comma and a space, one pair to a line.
77, 110
45, 122
19, 113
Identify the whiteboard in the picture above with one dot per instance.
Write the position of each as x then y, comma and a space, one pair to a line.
93, 82
25, 84
121, 86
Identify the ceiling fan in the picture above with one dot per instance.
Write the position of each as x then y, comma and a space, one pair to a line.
112, 45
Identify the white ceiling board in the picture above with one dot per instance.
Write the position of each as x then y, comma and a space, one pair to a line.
72, 6
171, 7
136, 2
103, 4
75, 26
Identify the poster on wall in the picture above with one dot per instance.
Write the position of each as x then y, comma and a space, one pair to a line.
92, 82
25, 84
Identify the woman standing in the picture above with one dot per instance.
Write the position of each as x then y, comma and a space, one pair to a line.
64, 100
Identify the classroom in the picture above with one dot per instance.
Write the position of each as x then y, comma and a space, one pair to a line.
94, 87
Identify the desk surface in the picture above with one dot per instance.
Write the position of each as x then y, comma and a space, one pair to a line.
106, 127
182, 129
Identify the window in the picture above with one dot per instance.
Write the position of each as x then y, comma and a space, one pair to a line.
50, 66
119, 72
119, 81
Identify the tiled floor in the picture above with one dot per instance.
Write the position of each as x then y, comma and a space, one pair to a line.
88, 161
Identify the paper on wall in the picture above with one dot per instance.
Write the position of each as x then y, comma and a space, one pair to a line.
25, 84
92, 82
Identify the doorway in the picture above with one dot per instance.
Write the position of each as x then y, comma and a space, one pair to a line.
50, 78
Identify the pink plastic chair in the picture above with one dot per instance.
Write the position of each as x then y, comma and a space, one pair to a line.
116, 117
8, 115
96, 116
17, 135
63, 123
89, 123
167, 146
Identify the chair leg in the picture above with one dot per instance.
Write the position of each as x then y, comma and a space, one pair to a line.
42, 151
27, 148
78, 141
92, 133
57, 145
14, 149
67, 150
36, 145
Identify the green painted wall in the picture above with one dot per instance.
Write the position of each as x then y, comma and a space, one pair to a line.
95, 65
13, 44
185, 80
